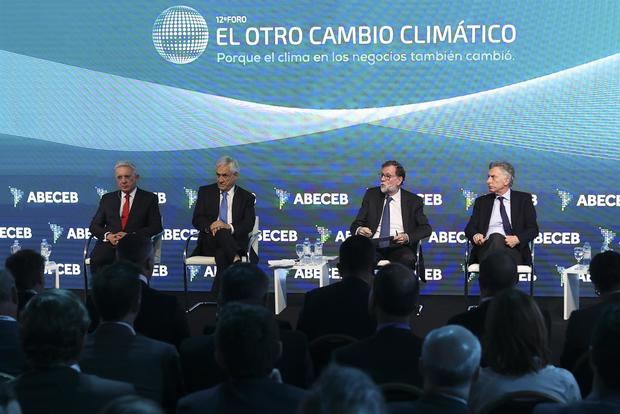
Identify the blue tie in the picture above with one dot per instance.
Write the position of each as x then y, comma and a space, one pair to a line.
385, 222
224, 207
505, 221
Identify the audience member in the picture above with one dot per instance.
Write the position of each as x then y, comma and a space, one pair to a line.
497, 273
605, 361
247, 346
53, 327
605, 275
12, 359
392, 354
516, 350
8, 403
344, 390
114, 351
342, 308
132, 404
450, 362
27, 267
247, 283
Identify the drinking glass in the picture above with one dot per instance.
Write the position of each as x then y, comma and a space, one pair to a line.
578, 254
299, 249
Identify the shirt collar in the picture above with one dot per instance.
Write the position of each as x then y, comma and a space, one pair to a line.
144, 278
396, 196
132, 194
506, 195
122, 323
7, 318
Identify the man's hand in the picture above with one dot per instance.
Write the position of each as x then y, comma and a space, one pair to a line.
512, 241
478, 239
364, 231
218, 225
114, 238
401, 238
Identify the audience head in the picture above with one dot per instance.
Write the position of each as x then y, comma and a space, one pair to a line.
53, 326
244, 282
450, 359
8, 294
605, 272
137, 249
394, 292
247, 341
344, 390
8, 401
498, 271
356, 257
516, 340
132, 404
116, 291
604, 347
27, 267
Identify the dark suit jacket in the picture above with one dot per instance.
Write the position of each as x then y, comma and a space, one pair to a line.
472, 319
522, 220
391, 355
161, 317
153, 367
430, 404
144, 218
63, 390
201, 371
250, 396
23, 296
340, 308
207, 211
12, 358
592, 405
415, 222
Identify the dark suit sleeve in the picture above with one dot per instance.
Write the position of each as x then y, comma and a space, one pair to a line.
244, 223
153, 218
99, 222
203, 217
529, 231
473, 225
571, 351
362, 215
173, 387
422, 228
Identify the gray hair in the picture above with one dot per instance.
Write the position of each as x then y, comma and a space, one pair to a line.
450, 356
230, 162
7, 285
125, 163
344, 390
505, 166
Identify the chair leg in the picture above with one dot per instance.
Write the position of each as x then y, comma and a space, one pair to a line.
185, 288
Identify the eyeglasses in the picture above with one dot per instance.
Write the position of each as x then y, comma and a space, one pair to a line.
386, 176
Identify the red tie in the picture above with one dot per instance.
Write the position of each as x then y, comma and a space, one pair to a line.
125, 214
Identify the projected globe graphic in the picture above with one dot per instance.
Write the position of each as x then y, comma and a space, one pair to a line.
180, 34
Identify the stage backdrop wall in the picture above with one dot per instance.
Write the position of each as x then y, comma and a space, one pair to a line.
311, 97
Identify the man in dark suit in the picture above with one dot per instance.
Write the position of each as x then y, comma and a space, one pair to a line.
342, 308
502, 220
246, 347
392, 354
246, 283
224, 215
12, 359
389, 211
53, 327
450, 362
27, 267
605, 275
497, 273
128, 210
114, 351
605, 362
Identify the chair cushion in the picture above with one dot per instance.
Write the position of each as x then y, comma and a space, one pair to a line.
475, 268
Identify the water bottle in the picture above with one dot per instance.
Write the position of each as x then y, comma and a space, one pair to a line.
587, 253
318, 249
15, 247
45, 250
306, 258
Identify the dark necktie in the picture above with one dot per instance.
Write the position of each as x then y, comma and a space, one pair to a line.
385, 222
224, 207
505, 220
125, 213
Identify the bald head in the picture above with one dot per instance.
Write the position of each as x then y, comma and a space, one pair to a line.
450, 356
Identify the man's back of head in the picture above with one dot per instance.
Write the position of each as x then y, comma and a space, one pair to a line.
116, 291
605, 272
53, 325
498, 271
244, 282
450, 360
27, 267
247, 341
395, 291
356, 257
137, 249
605, 344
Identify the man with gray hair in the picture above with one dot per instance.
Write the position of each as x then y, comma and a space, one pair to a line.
224, 215
504, 219
449, 363
127, 210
